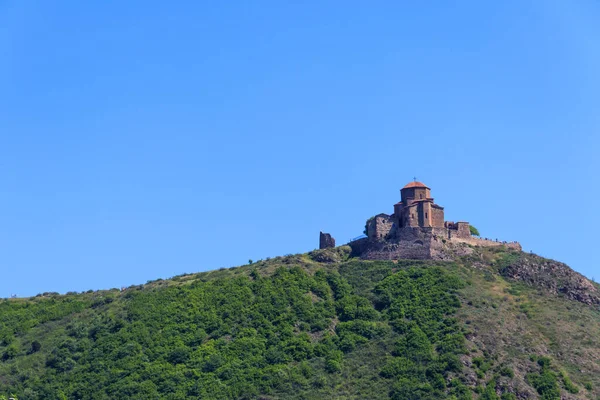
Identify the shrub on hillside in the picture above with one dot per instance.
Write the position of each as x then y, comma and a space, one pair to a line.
35, 347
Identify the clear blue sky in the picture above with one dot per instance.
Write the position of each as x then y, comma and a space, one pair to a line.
144, 139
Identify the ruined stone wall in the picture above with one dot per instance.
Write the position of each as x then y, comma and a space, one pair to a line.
380, 226
458, 230
440, 233
326, 241
463, 230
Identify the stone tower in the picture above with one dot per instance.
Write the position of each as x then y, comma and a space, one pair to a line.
326, 241
417, 209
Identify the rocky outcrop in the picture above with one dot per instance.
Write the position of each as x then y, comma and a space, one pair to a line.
410, 243
552, 276
330, 255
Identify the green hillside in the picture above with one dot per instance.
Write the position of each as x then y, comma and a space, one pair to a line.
493, 324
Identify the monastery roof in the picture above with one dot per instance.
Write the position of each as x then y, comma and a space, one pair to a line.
414, 185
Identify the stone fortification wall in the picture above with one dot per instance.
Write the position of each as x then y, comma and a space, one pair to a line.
390, 250
462, 234
458, 229
408, 243
420, 243
475, 241
379, 226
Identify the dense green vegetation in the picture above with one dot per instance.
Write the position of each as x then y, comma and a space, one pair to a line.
302, 327
545, 382
241, 337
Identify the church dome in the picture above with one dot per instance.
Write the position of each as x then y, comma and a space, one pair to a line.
415, 184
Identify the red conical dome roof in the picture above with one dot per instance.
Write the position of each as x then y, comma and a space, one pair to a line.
415, 184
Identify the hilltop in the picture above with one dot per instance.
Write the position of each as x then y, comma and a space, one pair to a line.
495, 323
416, 229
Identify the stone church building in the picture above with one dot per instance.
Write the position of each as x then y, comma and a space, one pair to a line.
415, 230
416, 209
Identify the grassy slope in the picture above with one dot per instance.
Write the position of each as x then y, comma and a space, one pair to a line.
516, 323
508, 327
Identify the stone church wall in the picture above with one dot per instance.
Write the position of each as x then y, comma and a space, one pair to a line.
437, 217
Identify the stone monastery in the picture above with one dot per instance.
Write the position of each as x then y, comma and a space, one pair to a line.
415, 230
